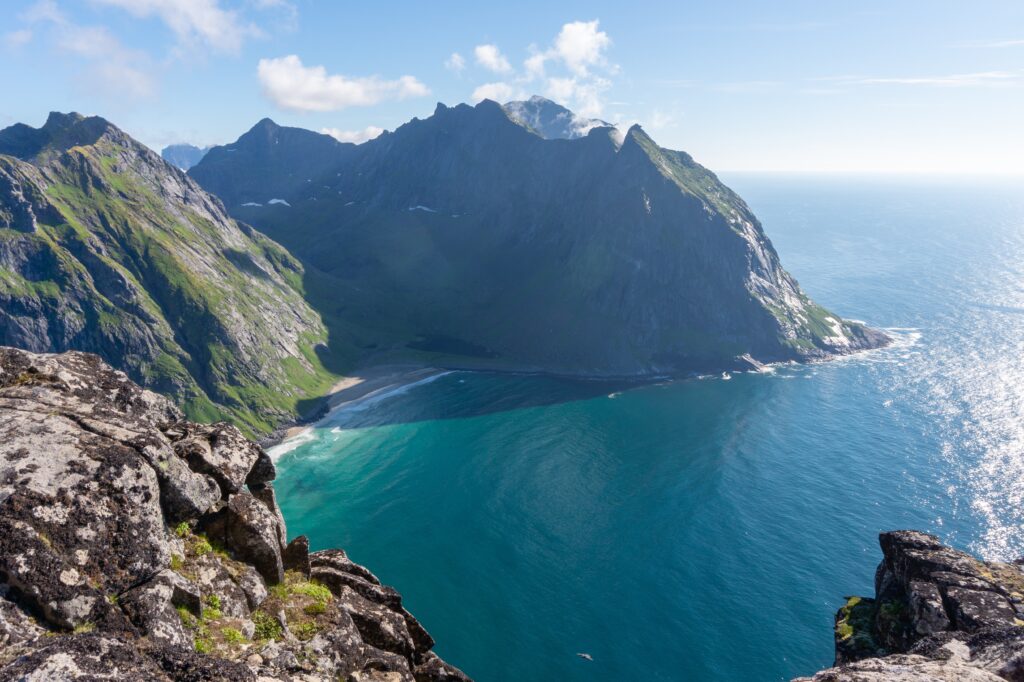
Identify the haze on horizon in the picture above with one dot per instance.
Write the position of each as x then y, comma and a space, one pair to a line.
918, 88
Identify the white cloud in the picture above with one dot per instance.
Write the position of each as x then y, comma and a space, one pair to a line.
456, 62
490, 57
995, 43
960, 80
356, 136
661, 120
573, 70
193, 21
534, 65
584, 95
44, 11
106, 64
499, 92
982, 79
581, 45
15, 39
291, 85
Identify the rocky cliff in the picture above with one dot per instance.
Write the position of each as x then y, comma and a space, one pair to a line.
938, 615
470, 235
105, 247
136, 545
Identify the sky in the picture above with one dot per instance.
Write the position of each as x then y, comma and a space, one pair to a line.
894, 86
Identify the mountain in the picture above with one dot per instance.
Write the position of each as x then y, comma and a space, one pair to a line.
105, 247
470, 239
550, 120
268, 162
183, 156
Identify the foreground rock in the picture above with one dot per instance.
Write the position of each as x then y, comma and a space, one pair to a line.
938, 614
137, 546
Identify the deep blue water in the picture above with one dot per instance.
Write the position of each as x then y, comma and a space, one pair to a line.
706, 529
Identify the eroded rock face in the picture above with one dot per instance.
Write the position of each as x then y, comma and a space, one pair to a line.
135, 545
938, 614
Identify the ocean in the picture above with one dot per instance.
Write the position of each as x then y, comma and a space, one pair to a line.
704, 529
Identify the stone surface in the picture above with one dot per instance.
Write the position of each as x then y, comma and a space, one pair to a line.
121, 560
938, 614
253, 534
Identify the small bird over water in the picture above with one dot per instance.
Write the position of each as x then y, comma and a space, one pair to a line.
587, 657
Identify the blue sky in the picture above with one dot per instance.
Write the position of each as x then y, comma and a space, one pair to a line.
895, 86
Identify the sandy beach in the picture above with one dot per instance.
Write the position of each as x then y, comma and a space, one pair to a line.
367, 383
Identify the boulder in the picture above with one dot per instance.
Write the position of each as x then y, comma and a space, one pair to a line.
252, 535
296, 556
152, 607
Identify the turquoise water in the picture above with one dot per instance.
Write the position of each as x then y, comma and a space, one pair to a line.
704, 529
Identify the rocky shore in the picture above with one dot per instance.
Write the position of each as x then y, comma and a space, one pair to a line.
136, 545
938, 614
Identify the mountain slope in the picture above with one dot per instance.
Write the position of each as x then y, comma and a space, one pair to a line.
472, 238
104, 247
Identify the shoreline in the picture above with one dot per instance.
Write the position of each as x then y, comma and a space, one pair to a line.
360, 386
379, 380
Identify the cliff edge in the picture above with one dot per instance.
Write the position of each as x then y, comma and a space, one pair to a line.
136, 545
938, 614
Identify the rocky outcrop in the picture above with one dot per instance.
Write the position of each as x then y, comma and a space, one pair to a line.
135, 545
938, 614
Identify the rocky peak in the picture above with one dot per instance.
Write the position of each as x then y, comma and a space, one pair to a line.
137, 545
60, 133
937, 614
551, 120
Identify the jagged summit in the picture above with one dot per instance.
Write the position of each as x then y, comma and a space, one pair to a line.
59, 133
551, 120
269, 161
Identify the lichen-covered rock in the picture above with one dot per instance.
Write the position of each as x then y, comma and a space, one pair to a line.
83, 657
253, 534
121, 559
903, 668
938, 614
296, 555
219, 450
153, 605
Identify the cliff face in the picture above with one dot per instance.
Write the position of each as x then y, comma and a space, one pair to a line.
469, 233
938, 614
136, 545
104, 247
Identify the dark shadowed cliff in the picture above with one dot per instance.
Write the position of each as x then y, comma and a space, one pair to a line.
469, 234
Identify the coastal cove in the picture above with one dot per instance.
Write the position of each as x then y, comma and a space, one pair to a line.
702, 529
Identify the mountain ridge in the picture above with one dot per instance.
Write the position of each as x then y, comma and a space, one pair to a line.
541, 219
